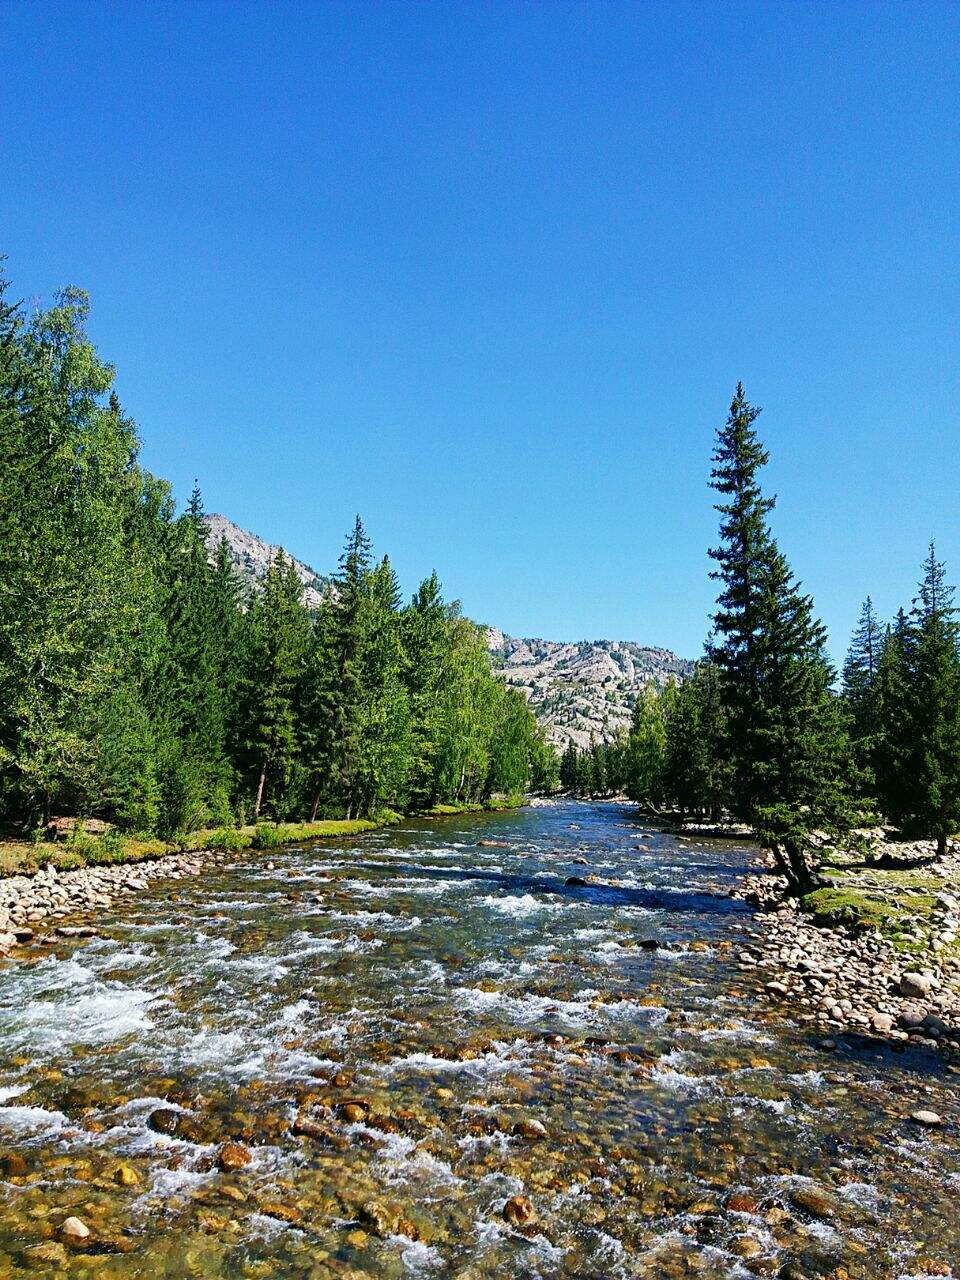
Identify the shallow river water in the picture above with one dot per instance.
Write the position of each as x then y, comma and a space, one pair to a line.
452, 1027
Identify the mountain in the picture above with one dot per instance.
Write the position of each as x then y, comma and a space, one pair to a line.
577, 691
251, 558
585, 689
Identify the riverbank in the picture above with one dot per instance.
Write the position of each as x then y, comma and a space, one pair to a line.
874, 952
43, 886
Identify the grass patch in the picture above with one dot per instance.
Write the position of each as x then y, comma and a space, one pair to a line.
449, 810
23, 857
854, 909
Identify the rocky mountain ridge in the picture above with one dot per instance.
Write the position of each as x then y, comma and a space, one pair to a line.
251, 557
578, 691
586, 689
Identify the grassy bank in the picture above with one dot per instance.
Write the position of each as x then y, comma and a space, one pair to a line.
901, 905
23, 857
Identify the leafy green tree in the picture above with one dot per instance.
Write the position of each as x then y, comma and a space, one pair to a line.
645, 749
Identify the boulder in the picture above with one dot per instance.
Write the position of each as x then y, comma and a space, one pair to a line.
929, 1119
917, 986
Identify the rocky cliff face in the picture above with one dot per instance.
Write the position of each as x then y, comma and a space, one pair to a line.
585, 689
251, 557
577, 691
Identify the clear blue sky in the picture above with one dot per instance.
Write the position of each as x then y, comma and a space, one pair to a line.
488, 273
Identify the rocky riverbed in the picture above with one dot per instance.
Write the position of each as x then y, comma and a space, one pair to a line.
898, 978
536, 1044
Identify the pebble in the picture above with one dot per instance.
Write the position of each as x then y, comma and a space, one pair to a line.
929, 1119
74, 1231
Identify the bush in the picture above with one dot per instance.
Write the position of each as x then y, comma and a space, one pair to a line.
267, 836
227, 838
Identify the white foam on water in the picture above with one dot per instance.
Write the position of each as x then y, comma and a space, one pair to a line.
262, 1226
863, 1194
64, 1003
170, 1186
34, 1121
9, 1091
808, 1079
489, 1064
261, 966
519, 906
677, 1082
528, 1008
778, 1106
416, 1256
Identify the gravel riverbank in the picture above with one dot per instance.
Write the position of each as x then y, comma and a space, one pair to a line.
30, 903
851, 977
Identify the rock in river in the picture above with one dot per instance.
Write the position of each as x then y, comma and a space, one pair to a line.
929, 1119
519, 1212
233, 1156
74, 1231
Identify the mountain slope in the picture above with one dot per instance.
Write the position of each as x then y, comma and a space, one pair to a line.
251, 558
585, 689
577, 691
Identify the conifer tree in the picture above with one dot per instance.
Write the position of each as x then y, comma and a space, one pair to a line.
888, 757
790, 753
279, 628
569, 767
928, 803
860, 685
424, 636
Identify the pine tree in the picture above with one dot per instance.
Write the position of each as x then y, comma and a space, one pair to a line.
888, 757
929, 799
425, 639
569, 766
860, 686
790, 753
279, 627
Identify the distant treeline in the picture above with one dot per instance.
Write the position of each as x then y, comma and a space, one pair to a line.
761, 731
141, 683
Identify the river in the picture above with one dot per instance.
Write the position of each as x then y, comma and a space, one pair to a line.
453, 1028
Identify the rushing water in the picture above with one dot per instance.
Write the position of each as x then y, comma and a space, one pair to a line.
426, 1004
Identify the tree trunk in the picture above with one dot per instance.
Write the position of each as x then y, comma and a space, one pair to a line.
798, 872
315, 806
260, 786
941, 844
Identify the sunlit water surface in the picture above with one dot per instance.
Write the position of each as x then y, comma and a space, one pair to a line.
422, 1001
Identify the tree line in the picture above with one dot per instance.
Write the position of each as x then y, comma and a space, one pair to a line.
763, 731
143, 682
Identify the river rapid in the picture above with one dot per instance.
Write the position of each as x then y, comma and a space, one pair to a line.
401, 1035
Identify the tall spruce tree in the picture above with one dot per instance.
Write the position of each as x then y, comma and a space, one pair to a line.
790, 752
860, 687
279, 637
928, 799
888, 757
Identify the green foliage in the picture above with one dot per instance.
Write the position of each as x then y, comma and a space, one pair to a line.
791, 763
919, 770
140, 683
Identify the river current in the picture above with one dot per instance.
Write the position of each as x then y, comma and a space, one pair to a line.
408, 1032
